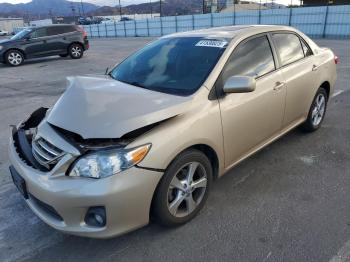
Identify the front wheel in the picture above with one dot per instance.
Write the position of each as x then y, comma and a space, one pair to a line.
76, 51
14, 58
183, 190
317, 111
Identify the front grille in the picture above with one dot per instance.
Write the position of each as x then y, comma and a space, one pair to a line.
46, 153
49, 210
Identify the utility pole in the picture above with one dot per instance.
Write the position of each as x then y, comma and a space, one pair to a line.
203, 3
120, 10
82, 8
150, 3
160, 8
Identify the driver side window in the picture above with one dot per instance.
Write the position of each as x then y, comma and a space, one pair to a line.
41, 32
252, 58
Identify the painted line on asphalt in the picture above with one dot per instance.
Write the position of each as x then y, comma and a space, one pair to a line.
337, 93
343, 254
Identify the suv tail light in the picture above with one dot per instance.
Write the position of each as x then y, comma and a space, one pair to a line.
81, 29
336, 59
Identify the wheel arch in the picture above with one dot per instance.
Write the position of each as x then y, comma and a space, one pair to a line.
17, 49
327, 86
208, 151
76, 42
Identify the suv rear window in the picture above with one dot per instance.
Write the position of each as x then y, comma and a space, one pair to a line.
54, 30
69, 29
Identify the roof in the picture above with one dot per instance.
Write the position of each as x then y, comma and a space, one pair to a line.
230, 31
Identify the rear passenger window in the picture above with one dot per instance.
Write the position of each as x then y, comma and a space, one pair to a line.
253, 58
54, 30
68, 29
288, 47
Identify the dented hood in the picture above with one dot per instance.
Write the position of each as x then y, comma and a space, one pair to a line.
101, 107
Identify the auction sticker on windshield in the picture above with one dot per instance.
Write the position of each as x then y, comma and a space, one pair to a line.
212, 43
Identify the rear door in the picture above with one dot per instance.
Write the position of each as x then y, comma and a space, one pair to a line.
300, 74
249, 119
57, 39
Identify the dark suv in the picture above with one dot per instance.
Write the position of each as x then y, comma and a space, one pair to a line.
62, 40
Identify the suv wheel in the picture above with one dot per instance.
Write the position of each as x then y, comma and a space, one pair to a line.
183, 190
14, 58
317, 111
76, 51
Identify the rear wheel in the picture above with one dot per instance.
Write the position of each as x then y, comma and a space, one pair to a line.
317, 111
14, 57
183, 190
76, 51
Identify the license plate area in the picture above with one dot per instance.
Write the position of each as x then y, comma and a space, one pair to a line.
19, 182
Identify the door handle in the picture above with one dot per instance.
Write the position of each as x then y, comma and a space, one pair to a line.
314, 68
278, 86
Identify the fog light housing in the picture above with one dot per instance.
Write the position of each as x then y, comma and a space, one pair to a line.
96, 217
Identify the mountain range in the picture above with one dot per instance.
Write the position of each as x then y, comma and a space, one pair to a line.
47, 8
169, 7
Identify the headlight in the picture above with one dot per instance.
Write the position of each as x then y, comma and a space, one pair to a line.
1, 47
106, 163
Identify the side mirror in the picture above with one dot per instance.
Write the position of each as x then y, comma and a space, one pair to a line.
239, 84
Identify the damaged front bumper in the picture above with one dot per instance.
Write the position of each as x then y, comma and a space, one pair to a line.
63, 202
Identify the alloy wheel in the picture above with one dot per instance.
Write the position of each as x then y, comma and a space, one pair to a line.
14, 58
76, 51
319, 109
187, 189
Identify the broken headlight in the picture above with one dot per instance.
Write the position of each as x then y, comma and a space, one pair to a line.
104, 163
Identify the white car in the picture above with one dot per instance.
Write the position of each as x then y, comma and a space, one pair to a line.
3, 32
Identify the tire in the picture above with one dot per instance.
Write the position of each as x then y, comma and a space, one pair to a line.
14, 58
317, 111
173, 206
76, 51
63, 55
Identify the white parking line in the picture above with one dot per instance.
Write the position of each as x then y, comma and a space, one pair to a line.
337, 93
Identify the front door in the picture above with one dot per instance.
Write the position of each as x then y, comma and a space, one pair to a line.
249, 119
36, 45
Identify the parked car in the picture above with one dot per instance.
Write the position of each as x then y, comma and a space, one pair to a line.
125, 18
3, 32
62, 40
148, 139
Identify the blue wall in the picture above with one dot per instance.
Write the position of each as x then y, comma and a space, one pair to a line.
322, 21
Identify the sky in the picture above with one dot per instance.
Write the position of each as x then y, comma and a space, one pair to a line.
128, 2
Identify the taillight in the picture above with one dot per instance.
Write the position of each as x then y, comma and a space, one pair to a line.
81, 29
336, 59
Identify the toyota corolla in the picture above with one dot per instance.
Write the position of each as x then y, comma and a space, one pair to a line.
147, 139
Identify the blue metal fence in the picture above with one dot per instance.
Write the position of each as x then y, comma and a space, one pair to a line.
322, 21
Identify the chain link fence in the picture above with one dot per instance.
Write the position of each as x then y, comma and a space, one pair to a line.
317, 22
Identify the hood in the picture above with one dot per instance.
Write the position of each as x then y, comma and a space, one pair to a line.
6, 41
101, 107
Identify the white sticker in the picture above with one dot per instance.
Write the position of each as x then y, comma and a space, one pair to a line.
212, 43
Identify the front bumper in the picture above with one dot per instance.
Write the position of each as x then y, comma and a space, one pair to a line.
126, 197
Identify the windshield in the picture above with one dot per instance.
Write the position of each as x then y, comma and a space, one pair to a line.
21, 34
171, 65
